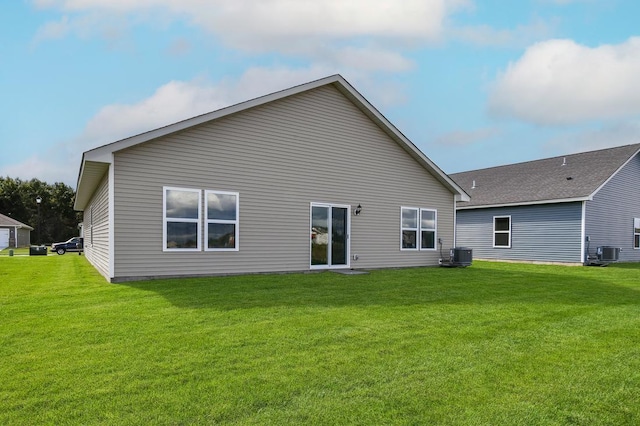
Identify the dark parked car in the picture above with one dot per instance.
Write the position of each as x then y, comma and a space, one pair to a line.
73, 244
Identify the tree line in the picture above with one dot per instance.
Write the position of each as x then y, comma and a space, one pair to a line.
52, 220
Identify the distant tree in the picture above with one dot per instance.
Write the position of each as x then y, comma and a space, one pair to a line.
57, 220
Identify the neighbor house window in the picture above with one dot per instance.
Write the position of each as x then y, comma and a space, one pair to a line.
502, 231
418, 229
636, 233
181, 219
222, 220
427, 229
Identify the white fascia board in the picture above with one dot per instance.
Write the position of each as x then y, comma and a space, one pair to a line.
528, 203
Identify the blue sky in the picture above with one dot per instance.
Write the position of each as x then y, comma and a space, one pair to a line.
473, 84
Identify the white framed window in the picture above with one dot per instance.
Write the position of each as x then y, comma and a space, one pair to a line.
409, 226
181, 219
418, 228
636, 233
428, 222
221, 219
502, 231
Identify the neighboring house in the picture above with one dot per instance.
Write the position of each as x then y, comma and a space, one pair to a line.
553, 210
14, 234
268, 185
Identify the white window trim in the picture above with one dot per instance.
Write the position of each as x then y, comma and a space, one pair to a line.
208, 221
635, 219
416, 229
330, 264
493, 236
197, 221
434, 229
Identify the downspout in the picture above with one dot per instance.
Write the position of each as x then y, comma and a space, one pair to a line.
455, 221
111, 208
583, 235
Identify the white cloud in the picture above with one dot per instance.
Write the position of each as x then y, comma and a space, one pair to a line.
53, 30
560, 82
462, 138
520, 36
48, 168
247, 19
368, 34
589, 139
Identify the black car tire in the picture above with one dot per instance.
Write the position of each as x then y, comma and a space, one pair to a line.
61, 251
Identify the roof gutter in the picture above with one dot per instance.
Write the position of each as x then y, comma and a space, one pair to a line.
528, 203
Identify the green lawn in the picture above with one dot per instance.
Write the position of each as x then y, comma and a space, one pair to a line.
23, 251
493, 344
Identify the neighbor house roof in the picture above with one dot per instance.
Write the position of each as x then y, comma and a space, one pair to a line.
7, 221
575, 177
95, 162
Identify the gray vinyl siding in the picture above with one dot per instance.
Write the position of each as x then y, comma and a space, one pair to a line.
24, 238
280, 157
96, 249
539, 233
609, 216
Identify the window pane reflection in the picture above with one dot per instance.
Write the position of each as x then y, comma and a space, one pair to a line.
409, 218
428, 219
221, 206
182, 235
182, 204
221, 235
409, 239
319, 235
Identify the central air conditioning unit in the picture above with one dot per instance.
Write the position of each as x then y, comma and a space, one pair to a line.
608, 254
458, 257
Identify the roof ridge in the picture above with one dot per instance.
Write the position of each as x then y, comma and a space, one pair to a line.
548, 158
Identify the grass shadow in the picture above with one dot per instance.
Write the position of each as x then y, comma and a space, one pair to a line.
483, 283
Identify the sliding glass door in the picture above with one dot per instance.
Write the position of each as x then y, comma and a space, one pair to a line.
329, 236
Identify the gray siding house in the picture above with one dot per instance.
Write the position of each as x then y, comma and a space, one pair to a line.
312, 177
555, 209
14, 234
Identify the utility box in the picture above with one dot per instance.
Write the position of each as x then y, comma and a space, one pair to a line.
37, 250
458, 257
461, 256
608, 254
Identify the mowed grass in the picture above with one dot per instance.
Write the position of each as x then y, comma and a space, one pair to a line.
493, 344
22, 251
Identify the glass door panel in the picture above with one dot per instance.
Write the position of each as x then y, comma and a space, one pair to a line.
319, 235
329, 236
339, 234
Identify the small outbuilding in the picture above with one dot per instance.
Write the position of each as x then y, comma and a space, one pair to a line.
14, 234
558, 209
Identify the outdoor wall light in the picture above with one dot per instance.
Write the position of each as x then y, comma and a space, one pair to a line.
358, 210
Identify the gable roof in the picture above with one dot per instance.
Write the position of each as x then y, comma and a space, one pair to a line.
575, 177
95, 162
7, 221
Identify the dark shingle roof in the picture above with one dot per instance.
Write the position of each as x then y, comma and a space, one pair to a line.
7, 221
546, 180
